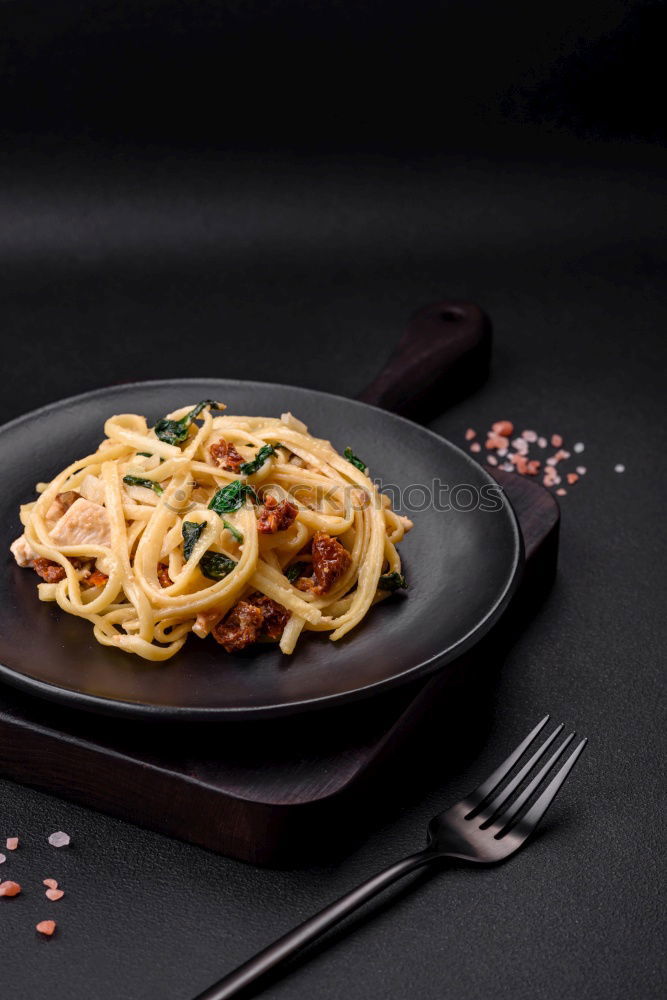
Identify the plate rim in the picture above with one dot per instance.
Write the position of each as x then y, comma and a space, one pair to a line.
118, 708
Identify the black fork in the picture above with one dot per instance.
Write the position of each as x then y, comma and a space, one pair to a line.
485, 827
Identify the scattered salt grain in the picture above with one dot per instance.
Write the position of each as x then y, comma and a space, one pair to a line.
46, 927
2, 859
513, 454
12, 843
617, 468
54, 894
51, 883
59, 839
9, 888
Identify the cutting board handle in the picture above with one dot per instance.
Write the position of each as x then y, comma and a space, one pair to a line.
443, 356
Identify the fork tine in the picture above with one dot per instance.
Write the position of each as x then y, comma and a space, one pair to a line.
503, 796
505, 817
528, 822
485, 789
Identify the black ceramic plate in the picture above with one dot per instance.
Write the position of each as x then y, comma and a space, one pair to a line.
462, 567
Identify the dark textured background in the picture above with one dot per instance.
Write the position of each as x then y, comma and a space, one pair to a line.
202, 189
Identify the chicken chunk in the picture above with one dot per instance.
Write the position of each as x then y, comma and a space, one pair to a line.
22, 552
85, 523
60, 506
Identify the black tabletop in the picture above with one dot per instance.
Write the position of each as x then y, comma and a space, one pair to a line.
122, 262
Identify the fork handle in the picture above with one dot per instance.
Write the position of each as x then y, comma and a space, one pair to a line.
291, 943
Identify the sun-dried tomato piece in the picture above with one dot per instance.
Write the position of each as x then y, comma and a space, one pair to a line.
225, 455
251, 619
275, 615
49, 570
240, 628
276, 515
330, 562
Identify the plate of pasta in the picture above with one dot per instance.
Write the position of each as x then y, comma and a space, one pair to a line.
216, 549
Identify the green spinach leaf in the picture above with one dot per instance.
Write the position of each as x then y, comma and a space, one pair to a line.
232, 497
294, 571
148, 483
176, 431
249, 468
191, 535
357, 462
392, 582
215, 565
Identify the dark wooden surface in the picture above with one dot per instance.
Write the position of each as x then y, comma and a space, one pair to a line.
263, 792
443, 356
269, 791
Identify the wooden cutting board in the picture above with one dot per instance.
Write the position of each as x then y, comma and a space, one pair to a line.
279, 792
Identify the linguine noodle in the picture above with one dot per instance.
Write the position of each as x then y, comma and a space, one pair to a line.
153, 537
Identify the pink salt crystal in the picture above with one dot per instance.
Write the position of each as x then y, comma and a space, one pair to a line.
12, 843
578, 448
51, 883
556, 440
54, 894
9, 889
502, 452
521, 445
561, 492
504, 427
2, 859
492, 460
552, 460
475, 446
507, 467
470, 434
542, 442
529, 436
581, 469
59, 839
